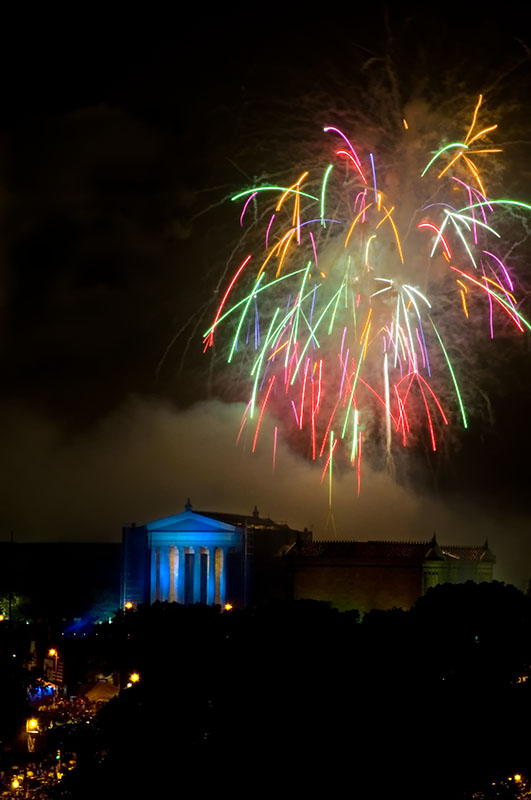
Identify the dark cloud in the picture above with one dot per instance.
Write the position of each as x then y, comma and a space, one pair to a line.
146, 458
93, 274
119, 140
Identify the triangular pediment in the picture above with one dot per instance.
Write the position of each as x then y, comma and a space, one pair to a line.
189, 521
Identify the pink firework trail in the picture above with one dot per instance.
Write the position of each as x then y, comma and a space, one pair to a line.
346, 312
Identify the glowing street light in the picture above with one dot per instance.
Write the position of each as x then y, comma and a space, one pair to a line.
128, 605
227, 607
134, 677
52, 652
32, 731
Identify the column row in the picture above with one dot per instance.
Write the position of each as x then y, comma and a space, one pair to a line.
189, 574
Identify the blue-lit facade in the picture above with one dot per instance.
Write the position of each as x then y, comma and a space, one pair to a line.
217, 558
203, 557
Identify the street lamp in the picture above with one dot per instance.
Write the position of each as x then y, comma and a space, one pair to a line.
134, 677
54, 654
32, 730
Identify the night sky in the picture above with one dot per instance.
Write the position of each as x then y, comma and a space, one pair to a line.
119, 140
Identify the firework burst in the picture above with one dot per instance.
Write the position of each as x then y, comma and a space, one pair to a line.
342, 314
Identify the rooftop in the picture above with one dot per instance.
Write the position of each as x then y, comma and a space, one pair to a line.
387, 551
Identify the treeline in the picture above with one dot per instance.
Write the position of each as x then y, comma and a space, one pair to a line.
300, 698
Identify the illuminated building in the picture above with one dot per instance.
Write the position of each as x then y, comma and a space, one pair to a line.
218, 558
205, 557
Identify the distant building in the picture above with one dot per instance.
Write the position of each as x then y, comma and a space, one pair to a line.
367, 575
219, 558
206, 557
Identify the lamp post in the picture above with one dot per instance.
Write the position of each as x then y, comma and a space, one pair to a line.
133, 678
32, 731
52, 652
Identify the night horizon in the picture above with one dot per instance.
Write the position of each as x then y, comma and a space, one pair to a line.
117, 232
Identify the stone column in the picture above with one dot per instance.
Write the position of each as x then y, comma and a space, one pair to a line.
211, 579
223, 577
172, 593
164, 572
217, 574
153, 573
180, 575
197, 574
